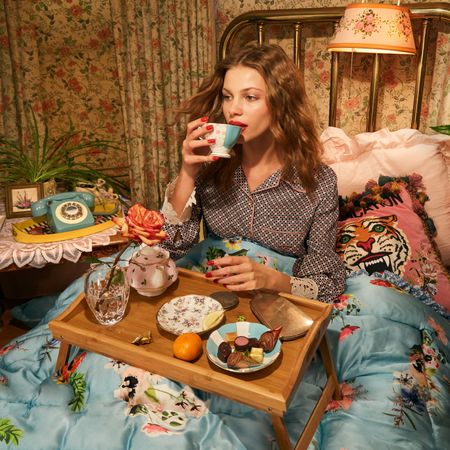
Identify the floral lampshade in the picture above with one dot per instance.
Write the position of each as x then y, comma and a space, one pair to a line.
374, 28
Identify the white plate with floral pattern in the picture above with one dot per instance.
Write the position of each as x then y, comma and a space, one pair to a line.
185, 314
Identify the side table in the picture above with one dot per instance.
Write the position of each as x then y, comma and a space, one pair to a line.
31, 280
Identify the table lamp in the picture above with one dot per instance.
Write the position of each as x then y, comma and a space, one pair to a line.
372, 28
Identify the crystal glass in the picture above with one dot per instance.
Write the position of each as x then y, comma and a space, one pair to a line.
107, 292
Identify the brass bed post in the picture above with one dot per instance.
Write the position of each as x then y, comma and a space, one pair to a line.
334, 72
373, 95
420, 75
297, 35
260, 29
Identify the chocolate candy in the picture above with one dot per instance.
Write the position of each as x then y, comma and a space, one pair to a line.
223, 351
241, 343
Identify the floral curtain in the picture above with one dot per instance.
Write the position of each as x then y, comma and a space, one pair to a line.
56, 59
163, 50
397, 73
114, 68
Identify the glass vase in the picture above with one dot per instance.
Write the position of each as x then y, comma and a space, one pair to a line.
107, 292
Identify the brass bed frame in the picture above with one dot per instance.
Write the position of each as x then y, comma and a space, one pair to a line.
297, 18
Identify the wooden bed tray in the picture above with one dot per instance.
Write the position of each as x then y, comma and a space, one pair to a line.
270, 389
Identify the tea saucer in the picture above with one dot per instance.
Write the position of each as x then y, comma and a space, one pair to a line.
185, 314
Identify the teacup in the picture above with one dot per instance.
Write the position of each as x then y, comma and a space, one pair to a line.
225, 137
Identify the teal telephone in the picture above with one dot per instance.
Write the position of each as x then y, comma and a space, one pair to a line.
66, 211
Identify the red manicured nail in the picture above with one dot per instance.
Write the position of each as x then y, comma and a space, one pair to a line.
208, 275
204, 119
215, 158
210, 263
209, 127
211, 141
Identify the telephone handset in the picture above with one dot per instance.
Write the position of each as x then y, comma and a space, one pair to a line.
66, 211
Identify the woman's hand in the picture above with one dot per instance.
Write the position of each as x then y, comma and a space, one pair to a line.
241, 273
195, 151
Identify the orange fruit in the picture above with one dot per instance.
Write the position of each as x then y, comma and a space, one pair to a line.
187, 346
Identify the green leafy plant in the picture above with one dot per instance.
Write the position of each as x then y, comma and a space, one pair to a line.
9, 433
443, 129
78, 383
61, 158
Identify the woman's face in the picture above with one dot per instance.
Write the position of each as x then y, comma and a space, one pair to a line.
244, 103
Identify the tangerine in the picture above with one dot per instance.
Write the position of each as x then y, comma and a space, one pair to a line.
187, 346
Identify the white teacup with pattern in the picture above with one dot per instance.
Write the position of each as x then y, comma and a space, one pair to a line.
225, 137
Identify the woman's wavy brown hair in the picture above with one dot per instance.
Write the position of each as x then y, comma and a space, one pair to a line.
293, 125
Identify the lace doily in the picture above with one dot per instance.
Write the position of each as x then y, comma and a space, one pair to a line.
38, 255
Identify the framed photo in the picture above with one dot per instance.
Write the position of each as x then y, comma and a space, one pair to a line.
19, 198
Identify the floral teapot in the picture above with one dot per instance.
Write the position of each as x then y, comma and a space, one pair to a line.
151, 271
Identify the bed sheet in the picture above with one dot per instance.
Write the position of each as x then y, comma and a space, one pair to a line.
391, 355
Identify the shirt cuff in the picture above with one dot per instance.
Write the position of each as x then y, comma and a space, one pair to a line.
304, 287
167, 209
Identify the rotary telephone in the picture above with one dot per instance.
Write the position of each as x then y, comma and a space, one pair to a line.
66, 211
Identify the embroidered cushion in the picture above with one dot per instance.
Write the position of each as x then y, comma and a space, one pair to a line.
368, 155
386, 228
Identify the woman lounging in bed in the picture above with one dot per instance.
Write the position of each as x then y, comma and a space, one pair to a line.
274, 193
390, 349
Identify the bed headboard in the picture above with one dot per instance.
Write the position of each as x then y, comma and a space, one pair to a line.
289, 25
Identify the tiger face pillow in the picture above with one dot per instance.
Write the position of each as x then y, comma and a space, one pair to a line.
374, 244
382, 229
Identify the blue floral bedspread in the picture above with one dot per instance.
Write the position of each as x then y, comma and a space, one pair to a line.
391, 354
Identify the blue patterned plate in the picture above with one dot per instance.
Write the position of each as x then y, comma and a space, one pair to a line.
248, 329
185, 314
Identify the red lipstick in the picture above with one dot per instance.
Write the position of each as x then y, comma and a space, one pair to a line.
238, 124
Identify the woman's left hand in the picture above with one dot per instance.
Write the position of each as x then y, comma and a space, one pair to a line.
241, 273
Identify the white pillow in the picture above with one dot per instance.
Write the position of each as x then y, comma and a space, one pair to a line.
368, 155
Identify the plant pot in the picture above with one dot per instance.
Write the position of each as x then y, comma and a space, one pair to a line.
107, 293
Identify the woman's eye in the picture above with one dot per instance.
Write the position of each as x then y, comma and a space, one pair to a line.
226, 97
251, 98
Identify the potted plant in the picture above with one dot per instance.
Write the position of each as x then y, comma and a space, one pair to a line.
61, 159
443, 129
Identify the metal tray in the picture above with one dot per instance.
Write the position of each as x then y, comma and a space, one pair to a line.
274, 311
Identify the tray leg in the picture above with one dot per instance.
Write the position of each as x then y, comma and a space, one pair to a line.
63, 355
281, 433
329, 367
330, 390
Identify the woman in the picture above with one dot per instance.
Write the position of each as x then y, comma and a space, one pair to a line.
274, 193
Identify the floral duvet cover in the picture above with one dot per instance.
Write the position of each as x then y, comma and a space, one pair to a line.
391, 354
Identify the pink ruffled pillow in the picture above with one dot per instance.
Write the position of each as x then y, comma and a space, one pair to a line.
400, 153
384, 228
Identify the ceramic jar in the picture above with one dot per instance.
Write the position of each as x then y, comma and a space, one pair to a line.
151, 271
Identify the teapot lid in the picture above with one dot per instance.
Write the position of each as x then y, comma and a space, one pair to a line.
151, 255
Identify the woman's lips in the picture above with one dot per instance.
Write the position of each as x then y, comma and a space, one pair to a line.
238, 124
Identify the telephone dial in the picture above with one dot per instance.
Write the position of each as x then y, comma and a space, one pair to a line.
66, 211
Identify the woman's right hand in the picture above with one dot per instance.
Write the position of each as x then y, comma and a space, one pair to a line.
195, 151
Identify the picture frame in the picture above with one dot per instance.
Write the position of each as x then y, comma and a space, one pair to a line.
19, 198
